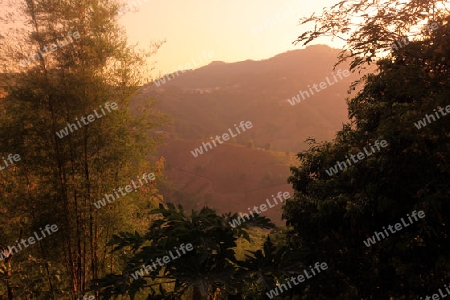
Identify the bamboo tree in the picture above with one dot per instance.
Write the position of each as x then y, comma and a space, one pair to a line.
65, 176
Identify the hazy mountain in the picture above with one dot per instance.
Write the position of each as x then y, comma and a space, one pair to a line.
211, 99
208, 101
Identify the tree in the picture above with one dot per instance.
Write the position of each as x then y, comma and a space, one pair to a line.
60, 177
209, 270
251, 144
370, 28
331, 216
263, 269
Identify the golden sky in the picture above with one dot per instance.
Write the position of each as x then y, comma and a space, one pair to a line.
233, 30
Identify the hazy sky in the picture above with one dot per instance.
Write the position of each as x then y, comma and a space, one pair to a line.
234, 30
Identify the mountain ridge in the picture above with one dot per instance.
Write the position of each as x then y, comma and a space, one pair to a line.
207, 101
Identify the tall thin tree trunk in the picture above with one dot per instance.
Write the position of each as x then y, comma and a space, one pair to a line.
8, 284
60, 173
196, 295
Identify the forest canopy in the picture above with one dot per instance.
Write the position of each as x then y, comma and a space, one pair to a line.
340, 238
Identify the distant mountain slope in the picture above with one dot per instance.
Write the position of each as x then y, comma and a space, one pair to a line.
208, 101
227, 178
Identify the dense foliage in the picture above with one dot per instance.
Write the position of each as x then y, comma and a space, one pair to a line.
101, 251
332, 215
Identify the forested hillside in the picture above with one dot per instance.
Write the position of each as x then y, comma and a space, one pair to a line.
90, 173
